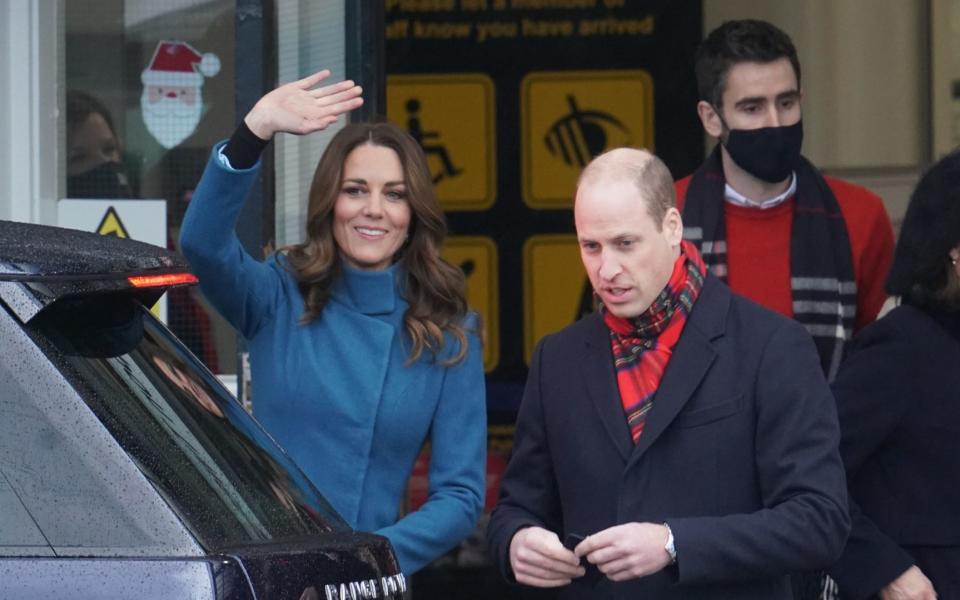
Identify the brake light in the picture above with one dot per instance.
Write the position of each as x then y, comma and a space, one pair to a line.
143, 281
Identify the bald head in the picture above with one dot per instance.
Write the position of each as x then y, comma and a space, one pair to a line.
627, 250
643, 169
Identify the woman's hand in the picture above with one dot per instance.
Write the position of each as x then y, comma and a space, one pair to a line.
298, 107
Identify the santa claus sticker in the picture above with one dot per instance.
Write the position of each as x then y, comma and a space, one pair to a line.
171, 100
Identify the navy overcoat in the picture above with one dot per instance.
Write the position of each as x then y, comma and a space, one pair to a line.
739, 455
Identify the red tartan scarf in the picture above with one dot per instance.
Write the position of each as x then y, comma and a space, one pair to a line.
643, 345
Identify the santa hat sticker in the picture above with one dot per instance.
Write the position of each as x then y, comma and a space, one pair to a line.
172, 100
178, 64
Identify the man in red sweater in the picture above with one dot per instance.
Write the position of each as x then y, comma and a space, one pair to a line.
808, 246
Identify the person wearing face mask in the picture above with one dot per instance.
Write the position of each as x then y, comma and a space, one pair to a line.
361, 345
95, 170
806, 245
94, 167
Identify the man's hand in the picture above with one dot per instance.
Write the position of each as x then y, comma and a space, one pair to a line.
539, 559
627, 551
297, 108
911, 585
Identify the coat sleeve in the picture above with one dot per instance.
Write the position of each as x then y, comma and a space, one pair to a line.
870, 390
804, 523
871, 244
457, 472
528, 490
241, 288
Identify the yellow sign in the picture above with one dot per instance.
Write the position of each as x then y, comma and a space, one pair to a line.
477, 257
111, 224
451, 116
555, 287
569, 117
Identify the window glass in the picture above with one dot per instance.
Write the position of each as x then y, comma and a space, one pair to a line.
149, 88
215, 467
310, 36
65, 485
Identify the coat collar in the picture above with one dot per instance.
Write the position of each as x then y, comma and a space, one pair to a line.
368, 292
601, 383
692, 357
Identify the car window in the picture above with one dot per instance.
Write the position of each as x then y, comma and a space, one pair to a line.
19, 535
65, 485
219, 471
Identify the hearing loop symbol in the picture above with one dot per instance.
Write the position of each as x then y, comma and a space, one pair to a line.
578, 137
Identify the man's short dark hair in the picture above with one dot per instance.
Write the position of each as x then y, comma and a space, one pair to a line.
736, 42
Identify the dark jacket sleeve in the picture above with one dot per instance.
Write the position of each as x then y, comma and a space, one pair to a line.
528, 490
804, 523
870, 390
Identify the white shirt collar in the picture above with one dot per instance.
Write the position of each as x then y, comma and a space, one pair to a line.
734, 197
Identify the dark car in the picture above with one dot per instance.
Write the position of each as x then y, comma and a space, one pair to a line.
126, 469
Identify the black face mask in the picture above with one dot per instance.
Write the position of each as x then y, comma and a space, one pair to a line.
106, 181
768, 153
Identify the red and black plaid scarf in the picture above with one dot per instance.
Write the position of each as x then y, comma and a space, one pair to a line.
643, 345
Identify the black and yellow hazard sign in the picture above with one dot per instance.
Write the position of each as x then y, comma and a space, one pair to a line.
451, 116
569, 117
477, 257
111, 224
556, 291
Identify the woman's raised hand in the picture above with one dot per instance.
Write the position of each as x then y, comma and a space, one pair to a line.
300, 107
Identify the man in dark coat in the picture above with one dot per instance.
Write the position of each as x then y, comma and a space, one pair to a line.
686, 432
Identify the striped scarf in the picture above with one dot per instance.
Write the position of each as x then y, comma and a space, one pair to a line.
642, 346
821, 264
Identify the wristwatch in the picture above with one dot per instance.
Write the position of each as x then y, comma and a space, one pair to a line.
670, 546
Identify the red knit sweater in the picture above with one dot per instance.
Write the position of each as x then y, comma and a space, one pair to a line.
758, 252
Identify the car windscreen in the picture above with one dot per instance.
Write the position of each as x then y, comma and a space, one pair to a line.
216, 468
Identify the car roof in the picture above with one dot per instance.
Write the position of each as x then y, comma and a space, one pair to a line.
50, 263
30, 249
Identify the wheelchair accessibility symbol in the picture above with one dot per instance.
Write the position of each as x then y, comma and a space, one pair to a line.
451, 117
430, 142
569, 117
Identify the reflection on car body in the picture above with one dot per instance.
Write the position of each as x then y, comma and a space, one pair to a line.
126, 469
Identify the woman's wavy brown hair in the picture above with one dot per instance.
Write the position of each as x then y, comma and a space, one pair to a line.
434, 289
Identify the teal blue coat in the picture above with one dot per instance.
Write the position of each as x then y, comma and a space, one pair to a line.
337, 393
